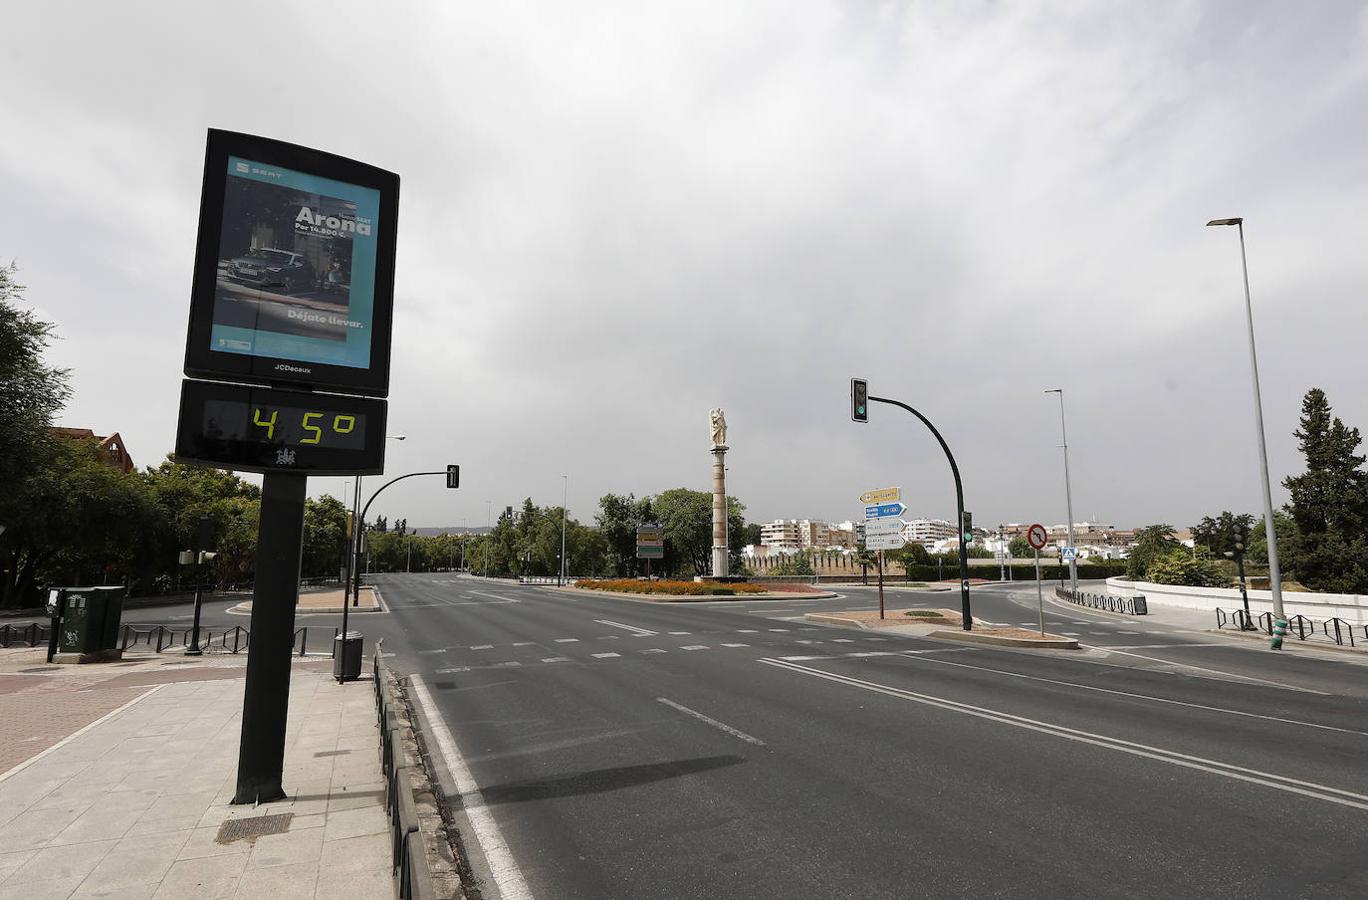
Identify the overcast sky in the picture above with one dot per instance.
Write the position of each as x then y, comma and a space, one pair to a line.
614, 217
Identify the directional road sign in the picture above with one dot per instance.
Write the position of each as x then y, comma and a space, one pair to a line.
1037, 536
882, 495
650, 542
883, 526
1068, 554
885, 511
885, 542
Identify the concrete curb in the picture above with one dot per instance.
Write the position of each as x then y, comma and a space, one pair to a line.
1290, 641
1049, 642
701, 598
838, 619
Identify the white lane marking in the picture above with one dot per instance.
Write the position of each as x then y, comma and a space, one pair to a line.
523, 644
842, 641
1069, 633
736, 645
567, 640
1169, 662
1163, 646
75, 734
684, 633
722, 726
1102, 690
640, 632
450, 670
604, 655
778, 629
426, 652
503, 868
483, 647
1130, 632
556, 659
694, 647
497, 597
878, 640
1172, 757
654, 650
506, 665
747, 631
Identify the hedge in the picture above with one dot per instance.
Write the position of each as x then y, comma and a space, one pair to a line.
675, 588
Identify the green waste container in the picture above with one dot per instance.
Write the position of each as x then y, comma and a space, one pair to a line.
90, 622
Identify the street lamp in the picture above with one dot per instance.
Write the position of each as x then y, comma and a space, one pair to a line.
1068, 490
565, 494
354, 551
488, 533
1274, 575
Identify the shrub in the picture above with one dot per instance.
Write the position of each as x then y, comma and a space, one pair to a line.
1180, 567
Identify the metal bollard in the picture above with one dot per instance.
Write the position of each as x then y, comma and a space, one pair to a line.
1279, 632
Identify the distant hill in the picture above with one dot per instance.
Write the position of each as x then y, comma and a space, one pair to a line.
452, 529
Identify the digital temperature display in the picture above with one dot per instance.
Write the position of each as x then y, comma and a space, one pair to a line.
254, 429
288, 425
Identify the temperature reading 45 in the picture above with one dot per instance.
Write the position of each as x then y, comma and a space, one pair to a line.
310, 423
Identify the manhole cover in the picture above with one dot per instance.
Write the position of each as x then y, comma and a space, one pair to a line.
253, 827
332, 753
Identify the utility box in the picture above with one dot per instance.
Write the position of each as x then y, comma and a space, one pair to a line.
90, 620
347, 656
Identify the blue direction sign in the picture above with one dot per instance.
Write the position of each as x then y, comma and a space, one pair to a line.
885, 511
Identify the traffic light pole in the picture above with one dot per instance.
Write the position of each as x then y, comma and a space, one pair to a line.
968, 619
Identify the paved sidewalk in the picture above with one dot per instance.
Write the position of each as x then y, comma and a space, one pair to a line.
132, 804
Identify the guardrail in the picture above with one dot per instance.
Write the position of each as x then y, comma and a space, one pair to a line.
408, 851
31, 635
1298, 626
237, 639
1131, 606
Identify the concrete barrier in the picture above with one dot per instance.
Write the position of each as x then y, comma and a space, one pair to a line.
1349, 607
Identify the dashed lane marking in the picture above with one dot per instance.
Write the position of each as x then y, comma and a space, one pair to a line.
721, 726
556, 659
641, 632
736, 645
605, 655
567, 640
483, 647
681, 633
694, 647
654, 650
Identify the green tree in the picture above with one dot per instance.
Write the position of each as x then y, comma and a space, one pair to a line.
1151, 542
617, 519
750, 535
799, 563
1218, 535
1020, 548
1331, 493
325, 534
1288, 541
912, 555
1182, 567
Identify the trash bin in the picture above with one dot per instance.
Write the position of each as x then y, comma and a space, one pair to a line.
90, 622
347, 656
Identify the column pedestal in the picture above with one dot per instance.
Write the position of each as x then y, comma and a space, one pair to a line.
720, 550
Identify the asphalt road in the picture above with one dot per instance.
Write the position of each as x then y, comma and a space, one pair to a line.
630, 749
613, 748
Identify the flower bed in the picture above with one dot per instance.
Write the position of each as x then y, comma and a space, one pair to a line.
675, 588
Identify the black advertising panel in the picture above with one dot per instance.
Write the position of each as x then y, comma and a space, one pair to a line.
294, 268
255, 429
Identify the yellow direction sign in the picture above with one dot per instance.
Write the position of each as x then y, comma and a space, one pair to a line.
882, 495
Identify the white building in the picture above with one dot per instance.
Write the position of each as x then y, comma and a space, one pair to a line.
928, 531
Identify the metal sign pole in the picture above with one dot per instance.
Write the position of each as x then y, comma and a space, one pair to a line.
266, 701
881, 599
1040, 594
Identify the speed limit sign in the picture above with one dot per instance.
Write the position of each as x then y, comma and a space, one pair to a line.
1037, 536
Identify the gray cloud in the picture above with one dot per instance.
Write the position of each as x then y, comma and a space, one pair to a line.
614, 218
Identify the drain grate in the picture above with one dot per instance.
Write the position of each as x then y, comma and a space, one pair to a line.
253, 827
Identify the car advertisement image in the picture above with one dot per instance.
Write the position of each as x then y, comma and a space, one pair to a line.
296, 266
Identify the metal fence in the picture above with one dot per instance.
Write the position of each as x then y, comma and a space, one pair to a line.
160, 638
31, 635
1304, 628
1131, 606
408, 853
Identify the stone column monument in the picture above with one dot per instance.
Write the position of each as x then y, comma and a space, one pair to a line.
720, 560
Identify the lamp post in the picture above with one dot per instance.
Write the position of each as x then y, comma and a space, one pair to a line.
1068, 490
1274, 575
353, 550
565, 495
488, 533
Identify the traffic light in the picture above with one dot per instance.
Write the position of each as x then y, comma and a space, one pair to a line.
859, 400
1241, 537
453, 476
967, 526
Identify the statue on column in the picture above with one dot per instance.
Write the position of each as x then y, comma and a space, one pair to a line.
718, 423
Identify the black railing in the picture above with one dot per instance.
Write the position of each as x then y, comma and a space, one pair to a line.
30, 635
408, 853
1131, 606
1299, 626
159, 638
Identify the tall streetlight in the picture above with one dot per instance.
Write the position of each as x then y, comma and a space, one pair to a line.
353, 550
488, 532
565, 494
1068, 489
1274, 575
